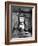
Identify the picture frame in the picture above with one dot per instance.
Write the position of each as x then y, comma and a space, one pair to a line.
21, 14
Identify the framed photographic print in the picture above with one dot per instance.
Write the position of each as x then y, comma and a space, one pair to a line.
20, 22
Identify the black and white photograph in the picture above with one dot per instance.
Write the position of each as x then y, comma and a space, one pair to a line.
21, 21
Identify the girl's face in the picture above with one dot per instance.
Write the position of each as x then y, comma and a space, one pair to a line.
21, 19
